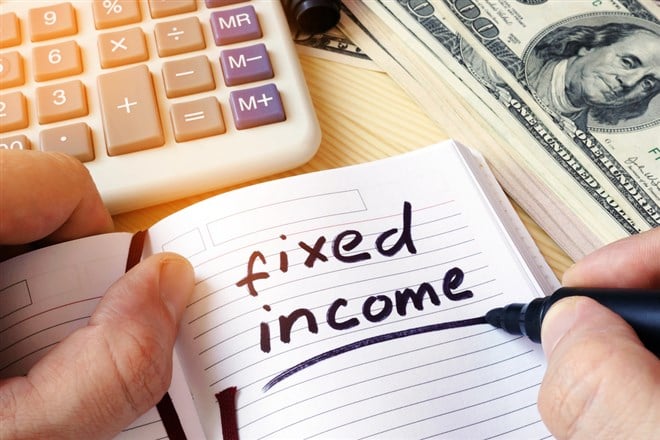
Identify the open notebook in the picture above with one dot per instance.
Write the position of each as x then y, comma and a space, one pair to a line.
346, 303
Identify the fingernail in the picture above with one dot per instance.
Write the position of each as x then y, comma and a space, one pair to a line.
176, 284
557, 322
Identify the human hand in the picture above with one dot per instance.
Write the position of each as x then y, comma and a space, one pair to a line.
601, 383
103, 376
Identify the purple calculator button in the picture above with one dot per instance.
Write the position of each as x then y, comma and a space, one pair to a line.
245, 64
235, 25
256, 106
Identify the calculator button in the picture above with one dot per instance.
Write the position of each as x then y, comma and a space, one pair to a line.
113, 13
245, 64
10, 30
187, 76
61, 101
197, 119
179, 36
74, 140
11, 70
13, 112
52, 22
256, 106
56, 61
131, 121
163, 8
122, 47
17, 142
235, 25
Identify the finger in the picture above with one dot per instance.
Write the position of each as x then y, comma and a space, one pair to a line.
600, 381
47, 195
103, 376
630, 262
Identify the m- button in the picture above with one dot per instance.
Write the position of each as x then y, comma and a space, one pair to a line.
245, 64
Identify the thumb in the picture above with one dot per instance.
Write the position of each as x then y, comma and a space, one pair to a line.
601, 382
103, 376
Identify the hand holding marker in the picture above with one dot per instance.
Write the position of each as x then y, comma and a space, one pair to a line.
639, 308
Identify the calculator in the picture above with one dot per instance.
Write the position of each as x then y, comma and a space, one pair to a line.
160, 99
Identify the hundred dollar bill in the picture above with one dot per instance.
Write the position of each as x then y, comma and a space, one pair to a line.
591, 69
331, 45
585, 200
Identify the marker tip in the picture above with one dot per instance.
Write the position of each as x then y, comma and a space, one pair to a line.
495, 317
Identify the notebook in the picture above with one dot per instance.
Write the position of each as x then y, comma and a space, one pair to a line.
345, 303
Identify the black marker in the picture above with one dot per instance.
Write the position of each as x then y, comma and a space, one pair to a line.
640, 309
313, 16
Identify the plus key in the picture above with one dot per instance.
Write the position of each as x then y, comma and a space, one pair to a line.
131, 121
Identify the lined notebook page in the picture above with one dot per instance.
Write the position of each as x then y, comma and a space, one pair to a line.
50, 293
355, 365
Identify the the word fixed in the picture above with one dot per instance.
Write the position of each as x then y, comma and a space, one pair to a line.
344, 249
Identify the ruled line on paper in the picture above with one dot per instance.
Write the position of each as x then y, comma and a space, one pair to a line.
65, 318
517, 428
377, 339
393, 373
34, 351
61, 306
14, 297
343, 369
418, 402
336, 203
41, 330
529, 405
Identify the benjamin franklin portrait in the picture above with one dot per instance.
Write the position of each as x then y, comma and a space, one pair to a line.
602, 74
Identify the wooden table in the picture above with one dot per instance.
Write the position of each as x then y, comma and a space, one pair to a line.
364, 116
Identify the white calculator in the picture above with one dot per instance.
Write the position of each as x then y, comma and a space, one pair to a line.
160, 99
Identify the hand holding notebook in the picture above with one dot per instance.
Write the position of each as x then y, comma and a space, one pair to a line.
357, 254
103, 376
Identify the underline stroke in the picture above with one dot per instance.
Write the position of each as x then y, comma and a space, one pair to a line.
370, 341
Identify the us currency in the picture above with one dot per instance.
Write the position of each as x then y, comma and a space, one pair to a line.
561, 188
594, 90
331, 45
